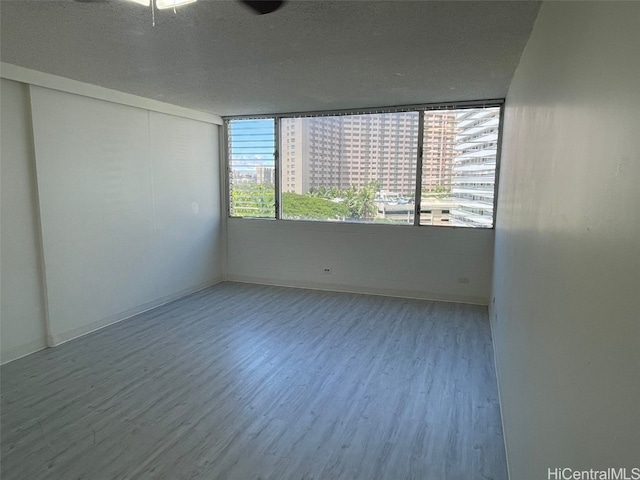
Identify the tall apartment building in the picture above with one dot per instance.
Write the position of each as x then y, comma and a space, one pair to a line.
265, 175
439, 138
474, 166
341, 151
293, 147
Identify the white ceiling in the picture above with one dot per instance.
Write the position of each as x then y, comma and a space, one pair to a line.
218, 57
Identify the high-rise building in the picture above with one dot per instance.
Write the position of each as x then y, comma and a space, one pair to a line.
474, 166
265, 175
293, 147
438, 141
350, 150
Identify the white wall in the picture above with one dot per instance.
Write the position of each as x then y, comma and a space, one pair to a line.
130, 208
129, 213
22, 313
566, 319
426, 262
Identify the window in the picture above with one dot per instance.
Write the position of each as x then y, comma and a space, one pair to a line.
252, 168
424, 166
459, 160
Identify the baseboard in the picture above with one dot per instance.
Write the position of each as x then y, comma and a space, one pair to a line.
55, 340
387, 292
497, 370
14, 353
11, 354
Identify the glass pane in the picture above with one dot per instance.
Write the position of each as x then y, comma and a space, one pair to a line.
252, 168
355, 168
459, 166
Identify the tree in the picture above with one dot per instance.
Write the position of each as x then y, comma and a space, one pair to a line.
323, 191
365, 205
357, 203
296, 206
361, 201
349, 197
252, 200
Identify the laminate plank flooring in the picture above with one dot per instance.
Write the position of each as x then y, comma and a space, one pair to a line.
246, 382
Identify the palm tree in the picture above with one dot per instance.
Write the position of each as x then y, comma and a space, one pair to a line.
366, 207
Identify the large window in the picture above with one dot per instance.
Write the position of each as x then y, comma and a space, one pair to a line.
363, 167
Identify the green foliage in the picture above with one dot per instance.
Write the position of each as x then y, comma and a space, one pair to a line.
359, 201
251, 200
356, 203
365, 206
296, 206
439, 191
325, 192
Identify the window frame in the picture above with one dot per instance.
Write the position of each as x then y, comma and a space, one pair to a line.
419, 108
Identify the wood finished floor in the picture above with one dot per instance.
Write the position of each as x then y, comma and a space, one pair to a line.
256, 382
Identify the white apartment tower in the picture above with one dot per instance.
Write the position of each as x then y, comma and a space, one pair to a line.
474, 166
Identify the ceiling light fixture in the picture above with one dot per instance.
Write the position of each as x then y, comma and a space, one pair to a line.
162, 5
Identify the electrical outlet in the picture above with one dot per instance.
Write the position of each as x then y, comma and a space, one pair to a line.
326, 271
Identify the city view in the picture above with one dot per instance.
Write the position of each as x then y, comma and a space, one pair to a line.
362, 168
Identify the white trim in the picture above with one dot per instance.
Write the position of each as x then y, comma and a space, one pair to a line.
9, 354
496, 367
46, 80
55, 340
14, 353
362, 290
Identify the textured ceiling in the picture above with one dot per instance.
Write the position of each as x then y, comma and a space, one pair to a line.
218, 57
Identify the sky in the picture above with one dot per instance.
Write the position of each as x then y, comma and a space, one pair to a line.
252, 142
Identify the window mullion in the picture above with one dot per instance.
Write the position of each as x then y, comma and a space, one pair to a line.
420, 153
227, 160
277, 157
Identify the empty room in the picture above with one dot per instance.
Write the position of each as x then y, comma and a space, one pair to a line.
320, 240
